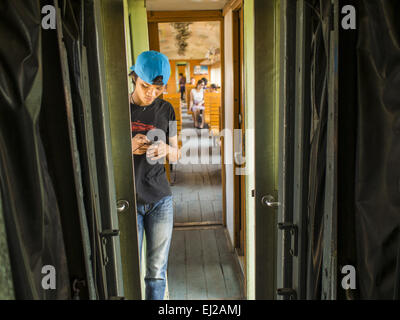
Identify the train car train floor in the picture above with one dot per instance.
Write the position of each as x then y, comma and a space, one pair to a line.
202, 265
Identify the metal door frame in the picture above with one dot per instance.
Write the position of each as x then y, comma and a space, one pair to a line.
329, 262
287, 107
295, 151
76, 162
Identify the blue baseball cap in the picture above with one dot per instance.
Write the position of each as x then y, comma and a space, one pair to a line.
152, 64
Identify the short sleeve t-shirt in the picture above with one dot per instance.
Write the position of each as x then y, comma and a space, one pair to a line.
198, 96
150, 178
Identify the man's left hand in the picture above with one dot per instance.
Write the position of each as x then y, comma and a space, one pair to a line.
157, 150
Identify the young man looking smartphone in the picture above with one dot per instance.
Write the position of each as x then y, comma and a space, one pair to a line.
154, 118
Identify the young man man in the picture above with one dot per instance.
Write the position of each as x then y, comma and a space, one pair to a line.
154, 137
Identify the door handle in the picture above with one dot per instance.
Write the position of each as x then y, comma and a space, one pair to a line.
239, 158
122, 205
269, 201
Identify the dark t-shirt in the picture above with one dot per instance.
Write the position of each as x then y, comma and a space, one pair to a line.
182, 81
150, 179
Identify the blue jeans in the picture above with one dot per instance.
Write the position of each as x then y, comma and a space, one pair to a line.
157, 221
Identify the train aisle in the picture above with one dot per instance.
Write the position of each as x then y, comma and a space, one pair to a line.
202, 264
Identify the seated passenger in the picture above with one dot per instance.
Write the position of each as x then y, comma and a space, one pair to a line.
197, 104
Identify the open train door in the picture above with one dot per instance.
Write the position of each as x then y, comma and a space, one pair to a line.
266, 145
110, 19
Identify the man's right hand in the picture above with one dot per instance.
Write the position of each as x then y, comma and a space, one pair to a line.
139, 144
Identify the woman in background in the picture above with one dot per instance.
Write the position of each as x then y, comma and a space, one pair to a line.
197, 104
